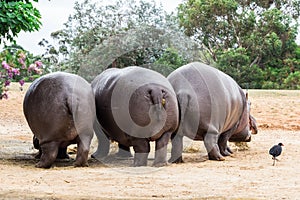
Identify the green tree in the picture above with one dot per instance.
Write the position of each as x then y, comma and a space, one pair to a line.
265, 30
17, 16
235, 62
119, 34
293, 81
171, 59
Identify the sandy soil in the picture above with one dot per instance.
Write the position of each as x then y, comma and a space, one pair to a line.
247, 174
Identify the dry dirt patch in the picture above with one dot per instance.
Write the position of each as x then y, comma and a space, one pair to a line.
246, 175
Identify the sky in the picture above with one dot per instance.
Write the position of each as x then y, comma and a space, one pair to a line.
56, 12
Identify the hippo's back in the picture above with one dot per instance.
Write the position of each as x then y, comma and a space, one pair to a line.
209, 99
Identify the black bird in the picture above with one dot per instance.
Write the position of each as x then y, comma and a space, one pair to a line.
276, 151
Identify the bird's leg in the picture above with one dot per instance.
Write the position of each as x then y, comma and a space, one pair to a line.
274, 159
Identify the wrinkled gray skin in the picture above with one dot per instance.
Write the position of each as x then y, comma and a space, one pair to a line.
134, 106
60, 110
213, 108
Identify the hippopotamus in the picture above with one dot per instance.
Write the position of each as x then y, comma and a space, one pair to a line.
213, 108
134, 106
60, 110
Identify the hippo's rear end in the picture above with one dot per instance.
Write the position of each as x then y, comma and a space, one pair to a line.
60, 110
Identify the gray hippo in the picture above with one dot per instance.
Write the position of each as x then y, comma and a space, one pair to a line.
134, 106
213, 108
60, 110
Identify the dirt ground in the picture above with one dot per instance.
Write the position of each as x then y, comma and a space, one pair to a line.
248, 174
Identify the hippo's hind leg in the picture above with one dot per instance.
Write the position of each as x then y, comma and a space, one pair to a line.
141, 149
177, 148
83, 148
62, 153
49, 153
124, 151
222, 143
211, 145
161, 145
103, 142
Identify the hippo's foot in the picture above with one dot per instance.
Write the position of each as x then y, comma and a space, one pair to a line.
46, 161
215, 154
124, 154
176, 160
229, 150
140, 159
82, 152
225, 152
81, 164
160, 164
49, 152
97, 156
102, 151
43, 165
218, 158
81, 159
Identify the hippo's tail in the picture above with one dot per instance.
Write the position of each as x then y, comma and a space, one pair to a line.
183, 103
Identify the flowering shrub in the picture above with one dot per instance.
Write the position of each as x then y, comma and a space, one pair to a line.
17, 68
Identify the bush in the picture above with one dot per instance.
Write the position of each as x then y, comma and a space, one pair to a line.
270, 85
17, 67
292, 81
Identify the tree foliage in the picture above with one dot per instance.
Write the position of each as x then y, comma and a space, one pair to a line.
122, 33
292, 81
264, 31
17, 16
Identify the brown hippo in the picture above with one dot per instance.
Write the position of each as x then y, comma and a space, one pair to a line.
134, 106
60, 110
212, 108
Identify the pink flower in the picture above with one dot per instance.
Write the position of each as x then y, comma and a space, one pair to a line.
10, 75
38, 71
21, 61
31, 67
5, 65
6, 83
21, 82
38, 64
22, 56
16, 71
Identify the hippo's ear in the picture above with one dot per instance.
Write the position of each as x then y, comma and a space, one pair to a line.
247, 95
